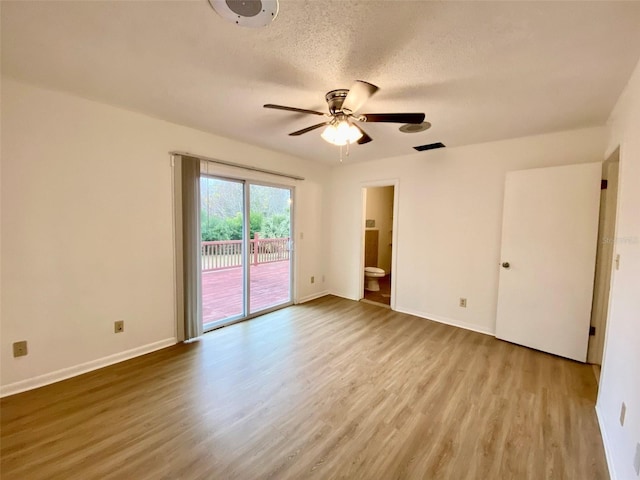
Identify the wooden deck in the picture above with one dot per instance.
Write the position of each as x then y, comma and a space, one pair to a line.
222, 290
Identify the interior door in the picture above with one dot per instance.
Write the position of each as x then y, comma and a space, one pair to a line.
549, 235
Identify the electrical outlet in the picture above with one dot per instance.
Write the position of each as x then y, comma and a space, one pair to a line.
636, 460
118, 326
463, 302
20, 349
618, 262
623, 413
313, 279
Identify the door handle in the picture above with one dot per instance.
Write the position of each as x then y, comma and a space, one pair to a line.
505, 265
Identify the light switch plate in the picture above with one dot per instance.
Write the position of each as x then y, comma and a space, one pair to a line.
636, 461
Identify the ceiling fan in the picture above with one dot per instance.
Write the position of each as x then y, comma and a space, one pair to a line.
342, 128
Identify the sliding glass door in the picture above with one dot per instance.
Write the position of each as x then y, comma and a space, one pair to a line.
246, 258
270, 262
222, 230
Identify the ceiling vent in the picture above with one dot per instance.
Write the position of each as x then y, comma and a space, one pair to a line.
430, 146
247, 13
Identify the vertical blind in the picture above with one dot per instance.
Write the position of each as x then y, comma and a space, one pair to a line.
188, 267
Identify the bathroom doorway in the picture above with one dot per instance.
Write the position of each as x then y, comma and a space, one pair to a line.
378, 234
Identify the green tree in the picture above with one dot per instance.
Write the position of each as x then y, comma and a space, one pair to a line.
275, 226
222, 202
214, 228
229, 228
255, 223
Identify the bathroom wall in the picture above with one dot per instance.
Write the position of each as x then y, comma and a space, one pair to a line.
380, 208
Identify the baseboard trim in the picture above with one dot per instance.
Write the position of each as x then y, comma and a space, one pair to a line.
63, 374
607, 447
348, 297
313, 296
448, 321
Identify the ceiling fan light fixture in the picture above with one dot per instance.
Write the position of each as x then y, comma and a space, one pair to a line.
341, 133
344, 106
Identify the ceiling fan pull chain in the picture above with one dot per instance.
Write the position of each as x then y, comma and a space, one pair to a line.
340, 153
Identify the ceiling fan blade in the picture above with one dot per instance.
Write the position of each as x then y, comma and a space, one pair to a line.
308, 129
358, 94
394, 117
365, 138
292, 109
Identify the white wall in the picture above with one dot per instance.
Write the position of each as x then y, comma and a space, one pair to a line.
380, 208
449, 220
87, 229
620, 377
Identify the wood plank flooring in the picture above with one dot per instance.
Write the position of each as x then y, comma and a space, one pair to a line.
331, 389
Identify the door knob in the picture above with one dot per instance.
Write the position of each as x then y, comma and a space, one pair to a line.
505, 265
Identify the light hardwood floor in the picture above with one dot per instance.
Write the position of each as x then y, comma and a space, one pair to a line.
326, 390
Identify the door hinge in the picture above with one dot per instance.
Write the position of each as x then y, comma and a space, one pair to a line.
592, 331
603, 184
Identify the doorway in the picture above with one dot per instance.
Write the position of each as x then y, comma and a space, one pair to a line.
246, 249
377, 244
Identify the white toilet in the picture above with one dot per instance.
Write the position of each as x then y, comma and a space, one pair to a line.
371, 276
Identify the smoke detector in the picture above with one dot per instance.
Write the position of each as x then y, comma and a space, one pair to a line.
247, 13
415, 127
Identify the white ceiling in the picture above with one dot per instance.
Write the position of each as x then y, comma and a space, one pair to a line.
481, 71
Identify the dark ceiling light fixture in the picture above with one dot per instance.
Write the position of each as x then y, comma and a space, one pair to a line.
247, 13
415, 127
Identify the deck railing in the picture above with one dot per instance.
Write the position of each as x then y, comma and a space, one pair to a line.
228, 253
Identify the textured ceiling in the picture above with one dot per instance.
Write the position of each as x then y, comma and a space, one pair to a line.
480, 71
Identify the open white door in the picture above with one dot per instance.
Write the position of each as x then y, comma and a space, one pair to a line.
549, 235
